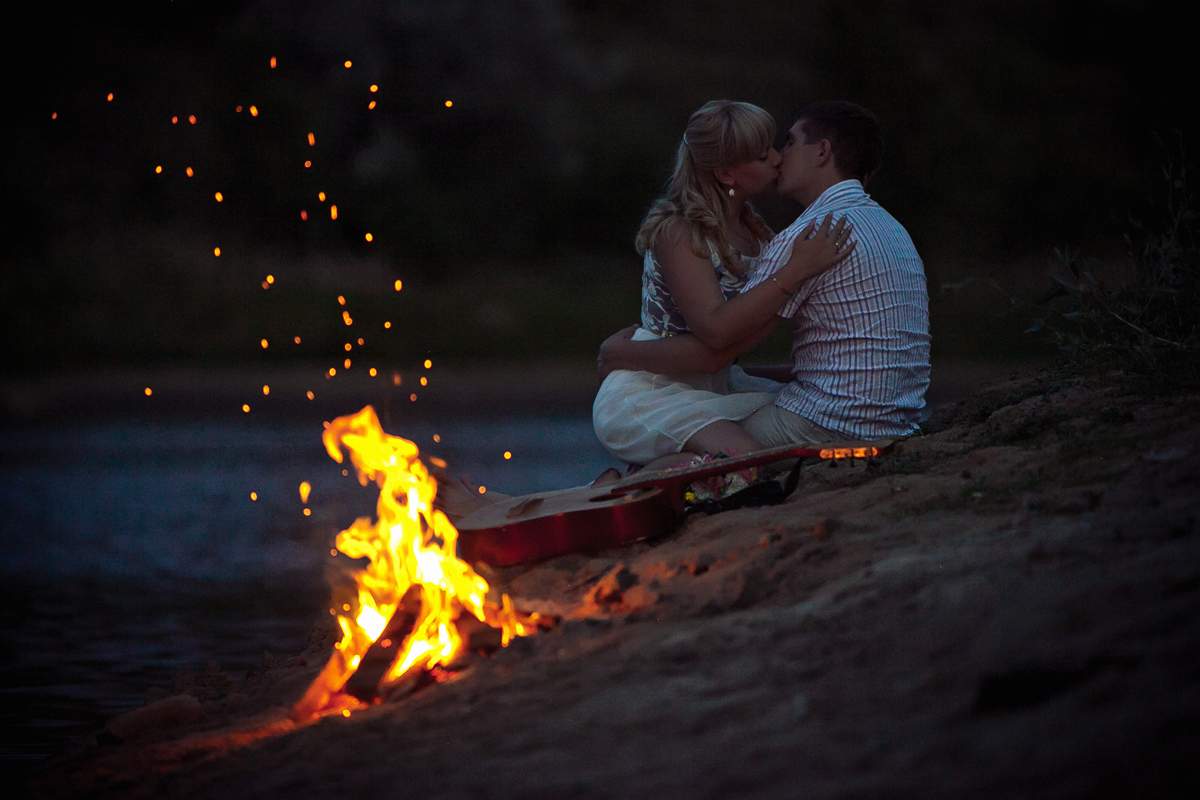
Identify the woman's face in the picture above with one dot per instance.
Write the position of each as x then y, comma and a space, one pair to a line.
752, 178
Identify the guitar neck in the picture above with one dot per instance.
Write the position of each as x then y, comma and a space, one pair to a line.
682, 475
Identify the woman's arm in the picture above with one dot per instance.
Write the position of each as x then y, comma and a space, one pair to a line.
674, 354
723, 324
776, 372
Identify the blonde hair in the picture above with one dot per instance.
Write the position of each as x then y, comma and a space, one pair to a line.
722, 133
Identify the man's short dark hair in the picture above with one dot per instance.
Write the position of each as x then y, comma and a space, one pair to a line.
853, 132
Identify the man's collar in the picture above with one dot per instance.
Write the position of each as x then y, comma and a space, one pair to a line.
839, 194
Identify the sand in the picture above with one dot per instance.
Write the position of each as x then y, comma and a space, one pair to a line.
1005, 606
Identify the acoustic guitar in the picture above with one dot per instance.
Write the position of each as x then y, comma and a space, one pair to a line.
534, 527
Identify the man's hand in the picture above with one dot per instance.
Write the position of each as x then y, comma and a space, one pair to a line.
608, 358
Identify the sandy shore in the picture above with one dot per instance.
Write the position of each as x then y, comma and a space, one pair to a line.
1005, 606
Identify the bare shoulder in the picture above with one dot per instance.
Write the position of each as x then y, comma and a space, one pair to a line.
674, 243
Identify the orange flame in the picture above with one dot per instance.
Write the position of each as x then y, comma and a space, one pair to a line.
409, 544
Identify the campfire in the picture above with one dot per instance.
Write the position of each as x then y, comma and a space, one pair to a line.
412, 568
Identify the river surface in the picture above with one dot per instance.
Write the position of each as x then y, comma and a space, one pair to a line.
133, 552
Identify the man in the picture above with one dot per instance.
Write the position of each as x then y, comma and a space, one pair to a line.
860, 348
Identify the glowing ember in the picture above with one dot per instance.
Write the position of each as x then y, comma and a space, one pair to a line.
274, 62
428, 364
398, 285
508, 455
837, 453
148, 391
305, 490
410, 544
449, 104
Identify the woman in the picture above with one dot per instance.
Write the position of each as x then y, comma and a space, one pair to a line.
697, 243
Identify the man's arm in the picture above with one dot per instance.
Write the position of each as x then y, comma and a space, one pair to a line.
672, 355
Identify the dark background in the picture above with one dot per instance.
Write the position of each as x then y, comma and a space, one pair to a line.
1012, 128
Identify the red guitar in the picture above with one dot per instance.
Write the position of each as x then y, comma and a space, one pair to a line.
586, 518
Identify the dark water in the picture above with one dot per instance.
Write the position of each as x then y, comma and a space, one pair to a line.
132, 552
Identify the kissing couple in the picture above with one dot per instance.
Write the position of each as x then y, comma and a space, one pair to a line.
716, 280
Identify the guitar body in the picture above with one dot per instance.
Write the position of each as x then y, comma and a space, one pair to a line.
534, 527
543, 526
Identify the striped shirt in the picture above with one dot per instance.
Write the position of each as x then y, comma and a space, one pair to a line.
860, 345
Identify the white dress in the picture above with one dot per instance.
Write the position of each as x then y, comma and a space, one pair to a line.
640, 416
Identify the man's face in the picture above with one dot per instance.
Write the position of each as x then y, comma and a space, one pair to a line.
796, 169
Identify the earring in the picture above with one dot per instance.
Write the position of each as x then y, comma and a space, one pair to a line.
731, 191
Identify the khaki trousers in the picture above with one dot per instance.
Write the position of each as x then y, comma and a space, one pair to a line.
773, 426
